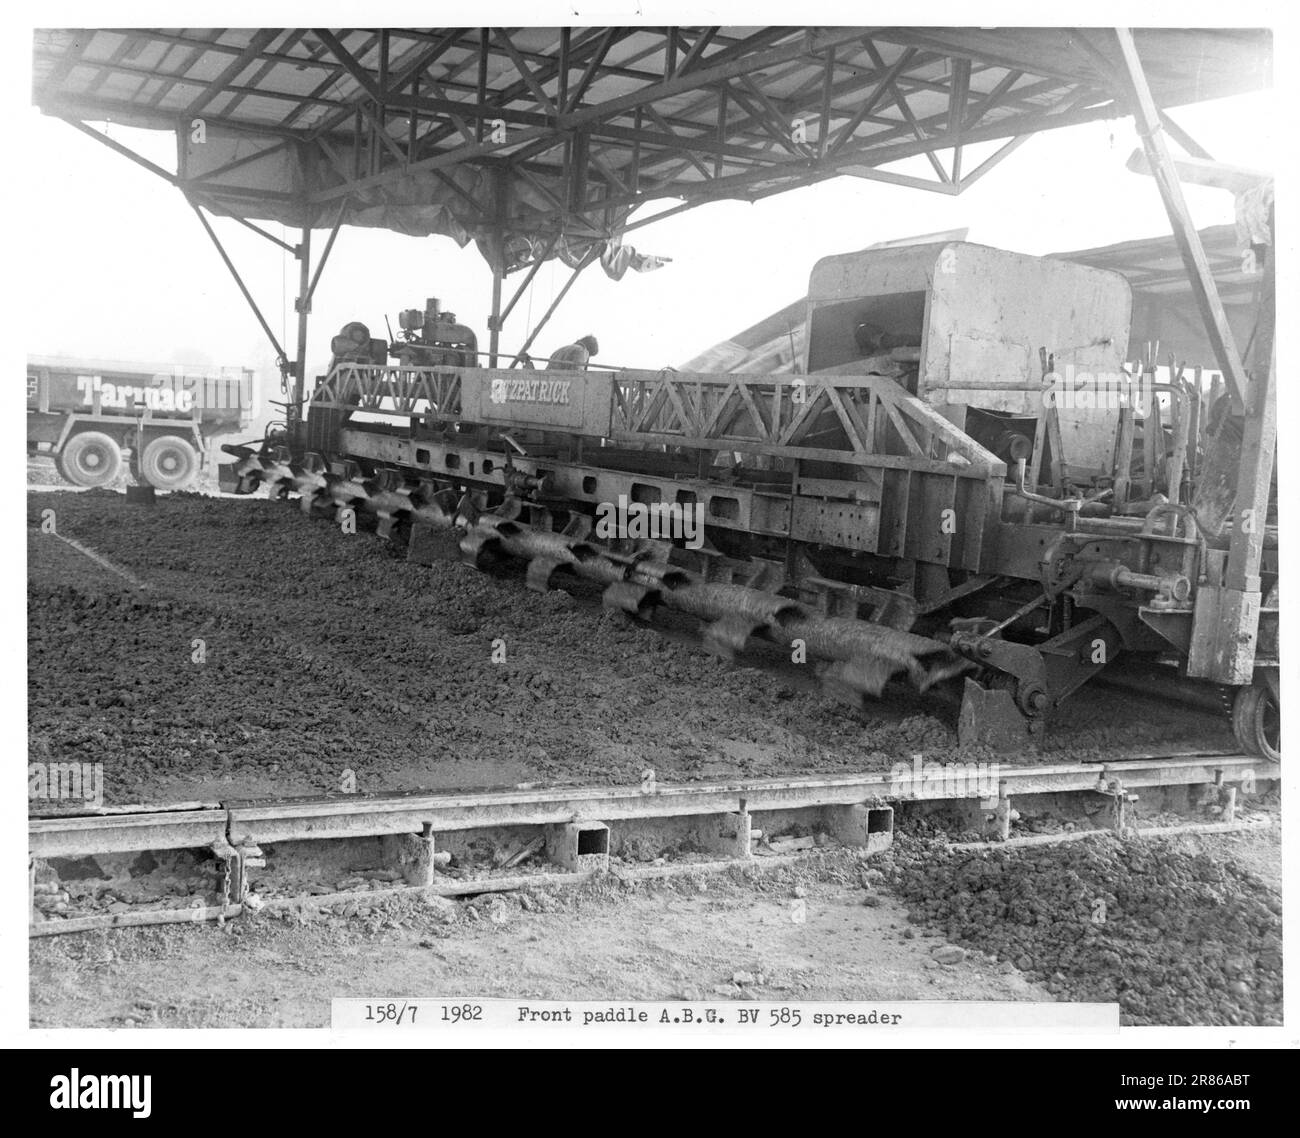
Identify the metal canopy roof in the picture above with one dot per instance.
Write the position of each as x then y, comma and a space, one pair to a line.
1154, 265
1164, 309
540, 142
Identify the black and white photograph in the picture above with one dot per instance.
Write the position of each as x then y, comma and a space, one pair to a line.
652, 534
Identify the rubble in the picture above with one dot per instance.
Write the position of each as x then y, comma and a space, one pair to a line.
1176, 938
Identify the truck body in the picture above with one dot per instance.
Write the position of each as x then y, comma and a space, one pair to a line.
97, 417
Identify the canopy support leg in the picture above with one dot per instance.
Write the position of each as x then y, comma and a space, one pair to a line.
282, 360
302, 305
1146, 117
494, 317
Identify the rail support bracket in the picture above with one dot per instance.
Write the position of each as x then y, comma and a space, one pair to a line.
999, 814
1228, 802
1113, 788
1224, 797
412, 855
242, 858
231, 888
579, 847
868, 827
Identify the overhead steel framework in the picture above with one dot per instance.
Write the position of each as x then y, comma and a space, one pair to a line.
543, 142
585, 123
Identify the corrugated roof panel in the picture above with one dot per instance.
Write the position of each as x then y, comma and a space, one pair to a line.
650, 115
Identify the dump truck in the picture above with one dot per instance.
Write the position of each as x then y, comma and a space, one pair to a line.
951, 487
99, 418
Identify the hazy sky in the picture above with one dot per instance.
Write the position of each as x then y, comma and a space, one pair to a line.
126, 272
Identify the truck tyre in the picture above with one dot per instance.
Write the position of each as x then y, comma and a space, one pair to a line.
1256, 721
90, 458
169, 463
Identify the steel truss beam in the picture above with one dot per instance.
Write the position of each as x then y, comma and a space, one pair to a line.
636, 147
709, 117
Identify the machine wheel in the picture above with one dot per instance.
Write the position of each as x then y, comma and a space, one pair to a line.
169, 463
1256, 721
90, 458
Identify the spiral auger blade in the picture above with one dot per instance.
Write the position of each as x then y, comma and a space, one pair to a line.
390, 499
250, 469
729, 614
237, 477
480, 538
311, 484
862, 657
858, 658
434, 508
271, 467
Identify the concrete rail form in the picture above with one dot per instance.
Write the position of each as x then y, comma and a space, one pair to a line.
575, 830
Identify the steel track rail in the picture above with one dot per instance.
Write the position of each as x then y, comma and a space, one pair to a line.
241, 823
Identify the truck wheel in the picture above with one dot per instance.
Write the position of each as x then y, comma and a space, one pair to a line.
90, 459
169, 463
1256, 721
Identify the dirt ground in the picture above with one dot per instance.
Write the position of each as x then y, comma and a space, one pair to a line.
828, 928
269, 653
1178, 931
800, 934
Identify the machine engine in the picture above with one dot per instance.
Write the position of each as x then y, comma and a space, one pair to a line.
433, 338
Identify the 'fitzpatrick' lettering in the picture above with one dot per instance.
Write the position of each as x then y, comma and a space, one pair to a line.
530, 391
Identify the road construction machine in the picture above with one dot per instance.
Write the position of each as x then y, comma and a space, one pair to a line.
962, 483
